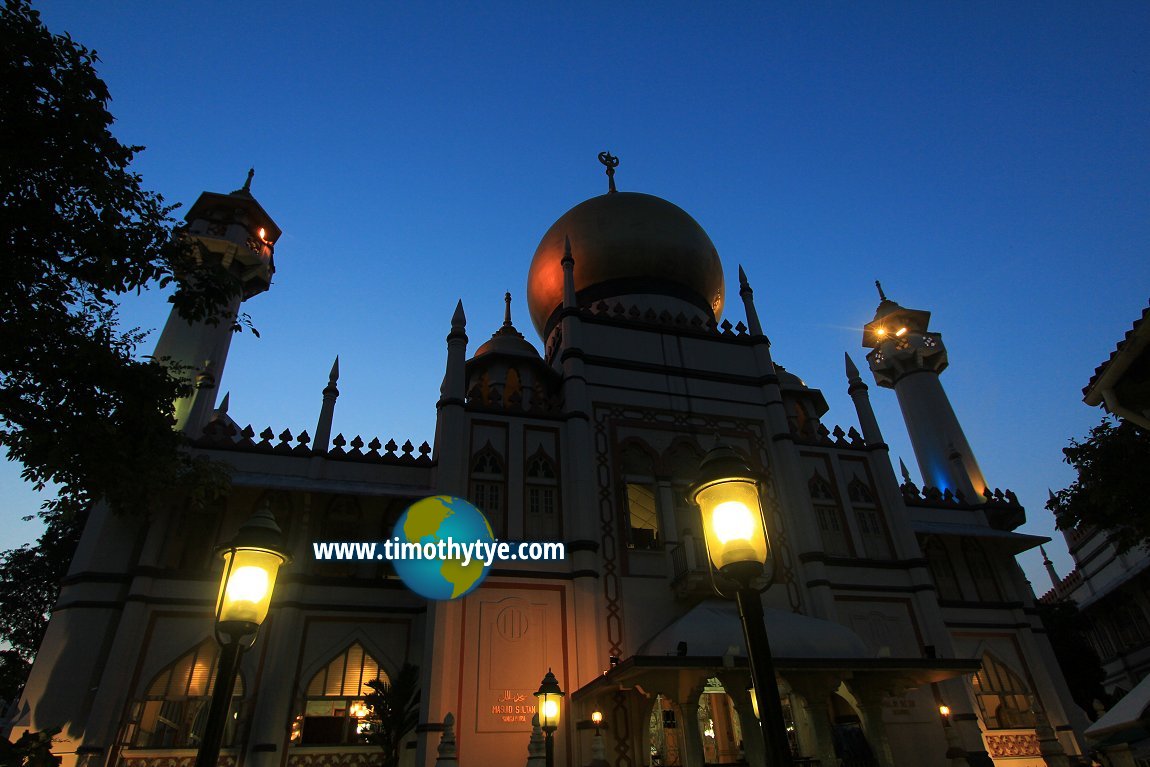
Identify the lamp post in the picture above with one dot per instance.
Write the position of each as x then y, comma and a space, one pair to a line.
548, 706
251, 561
727, 494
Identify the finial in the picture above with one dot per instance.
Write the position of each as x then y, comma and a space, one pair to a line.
507, 310
881, 295
743, 277
1045, 559
333, 376
223, 408
567, 257
612, 162
852, 370
247, 187
905, 471
459, 319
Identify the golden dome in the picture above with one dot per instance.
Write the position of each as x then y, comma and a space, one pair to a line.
625, 243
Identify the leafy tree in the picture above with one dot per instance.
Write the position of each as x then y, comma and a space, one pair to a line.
1113, 484
394, 711
13, 672
78, 232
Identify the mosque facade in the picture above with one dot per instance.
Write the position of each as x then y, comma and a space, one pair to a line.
889, 599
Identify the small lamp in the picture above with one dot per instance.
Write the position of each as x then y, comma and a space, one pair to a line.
549, 707
597, 720
944, 712
754, 700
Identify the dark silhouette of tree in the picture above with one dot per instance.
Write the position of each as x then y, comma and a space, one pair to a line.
1113, 483
1066, 628
78, 409
394, 711
32, 749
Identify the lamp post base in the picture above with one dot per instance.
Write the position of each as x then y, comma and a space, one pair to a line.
763, 678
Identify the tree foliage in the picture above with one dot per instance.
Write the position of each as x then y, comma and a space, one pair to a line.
78, 408
1112, 487
394, 711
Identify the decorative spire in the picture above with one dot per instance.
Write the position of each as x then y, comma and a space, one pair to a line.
568, 263
612, 162
881, 295
507, 310
458, 319
222, 410
322, 437
748, 297
852, 369
905, 471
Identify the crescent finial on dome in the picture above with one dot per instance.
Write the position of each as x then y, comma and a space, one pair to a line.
612, 162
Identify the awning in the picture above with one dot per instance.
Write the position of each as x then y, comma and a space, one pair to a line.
1014, 542
660, 673
1125, 721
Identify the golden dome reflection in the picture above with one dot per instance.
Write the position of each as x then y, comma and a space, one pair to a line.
625, 243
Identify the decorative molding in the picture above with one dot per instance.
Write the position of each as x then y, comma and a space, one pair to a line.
1012, 744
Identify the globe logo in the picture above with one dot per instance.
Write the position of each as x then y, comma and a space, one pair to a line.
429, 521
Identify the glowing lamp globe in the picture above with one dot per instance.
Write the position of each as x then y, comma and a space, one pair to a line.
251, 562
549, 699
727, 494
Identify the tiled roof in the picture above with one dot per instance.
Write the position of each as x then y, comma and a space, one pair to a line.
1117, 350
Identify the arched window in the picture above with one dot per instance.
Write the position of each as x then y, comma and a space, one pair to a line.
1003, 697
542, 514
334, 710
945, 579
488, 486
174, 710
869, 519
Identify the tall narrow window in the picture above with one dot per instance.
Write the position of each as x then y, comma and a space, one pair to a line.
829, 517
488, 487
980, 570
945, 579
1003, 697
174, 710
542, 517
643, 514
868, 517
334, 712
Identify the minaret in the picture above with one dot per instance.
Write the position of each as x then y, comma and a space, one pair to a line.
1054, 579
237, 231
908, 358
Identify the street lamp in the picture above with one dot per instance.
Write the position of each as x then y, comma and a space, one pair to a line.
727, 494
251, 561
548, 705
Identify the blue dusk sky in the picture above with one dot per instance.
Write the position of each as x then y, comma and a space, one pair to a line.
987, 161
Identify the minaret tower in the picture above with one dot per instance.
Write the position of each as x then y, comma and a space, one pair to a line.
235, 229
908, 358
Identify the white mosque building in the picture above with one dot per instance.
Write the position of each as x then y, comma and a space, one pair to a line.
890, 598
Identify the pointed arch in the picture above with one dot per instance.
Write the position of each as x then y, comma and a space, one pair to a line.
334, 712
1004, 698
173, 709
